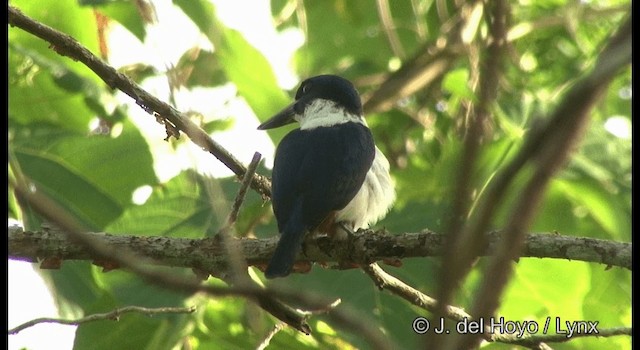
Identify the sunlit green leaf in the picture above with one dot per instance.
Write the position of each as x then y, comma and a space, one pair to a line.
457, 83
242, 63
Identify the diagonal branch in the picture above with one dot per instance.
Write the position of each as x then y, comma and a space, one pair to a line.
175, 121
386, 281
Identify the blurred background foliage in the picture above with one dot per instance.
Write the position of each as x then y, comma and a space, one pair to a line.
74, 139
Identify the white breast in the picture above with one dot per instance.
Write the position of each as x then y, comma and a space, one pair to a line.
374, 199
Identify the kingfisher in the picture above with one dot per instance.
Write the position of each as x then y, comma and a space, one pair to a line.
328, 171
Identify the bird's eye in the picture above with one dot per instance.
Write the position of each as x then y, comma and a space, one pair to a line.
305, 88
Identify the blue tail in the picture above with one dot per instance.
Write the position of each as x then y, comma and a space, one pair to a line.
289, 245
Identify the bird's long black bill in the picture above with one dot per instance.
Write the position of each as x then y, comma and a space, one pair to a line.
283, 117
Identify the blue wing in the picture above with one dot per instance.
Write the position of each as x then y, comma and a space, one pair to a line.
316, 172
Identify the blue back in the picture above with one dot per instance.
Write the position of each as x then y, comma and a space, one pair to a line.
320, 169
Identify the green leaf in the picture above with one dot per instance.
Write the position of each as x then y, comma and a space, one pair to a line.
220, 325
184, 207
40, 95
202, 68
202, 13
604, 207
189, 205
354, 43
91, 177
73, 287
610, 291
252, 74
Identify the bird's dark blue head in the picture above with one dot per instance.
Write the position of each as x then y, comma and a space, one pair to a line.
322, 100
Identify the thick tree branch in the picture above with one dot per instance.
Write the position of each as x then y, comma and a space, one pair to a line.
174, 121
124, 257
363, 248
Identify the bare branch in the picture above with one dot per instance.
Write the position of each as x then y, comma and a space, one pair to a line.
112, 315
384, 280
423, 70
362, 248
464, 243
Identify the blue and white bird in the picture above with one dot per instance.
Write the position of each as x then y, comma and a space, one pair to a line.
326, 172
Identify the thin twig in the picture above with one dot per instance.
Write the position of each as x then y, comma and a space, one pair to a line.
112, 315
586, 14
423, 70
386, 18
242, 191
267, 339
237, 264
